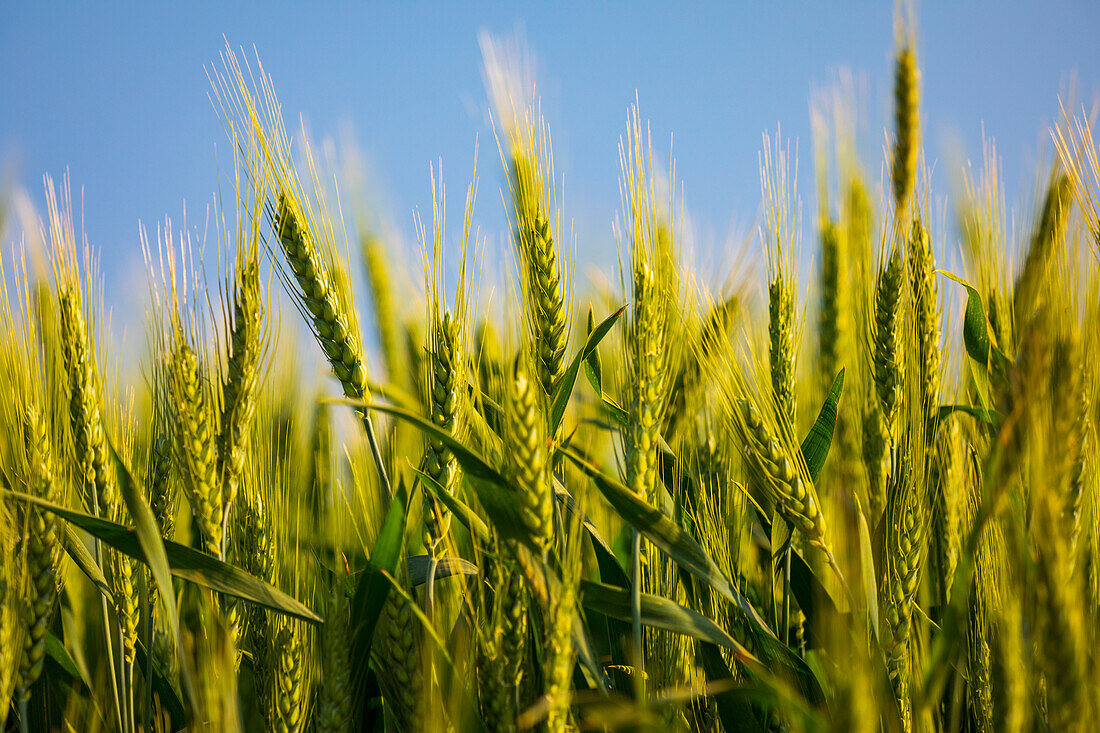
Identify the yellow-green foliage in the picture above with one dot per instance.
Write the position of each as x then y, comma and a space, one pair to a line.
615, 527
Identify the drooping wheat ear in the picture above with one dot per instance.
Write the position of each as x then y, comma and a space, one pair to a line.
241, 380
325, 297
194, 443
89, 440
526, 457
445, 384
42, 551
1049, 234
906, 126
781, 475
380, 278
397, 659
331, 322
887, 356
334, 703
906, 530
926, 316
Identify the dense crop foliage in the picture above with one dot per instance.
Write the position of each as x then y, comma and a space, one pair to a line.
865, 498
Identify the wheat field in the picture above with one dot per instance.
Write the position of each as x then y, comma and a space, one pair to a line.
858, 495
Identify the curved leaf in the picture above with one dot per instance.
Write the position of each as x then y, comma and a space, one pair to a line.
660, 613
185, 562
76, 550
815, 448
593, 367
62, 663
464, 514
667, 535
163, 688
496, 494
418, 566
986, 415
563, 390
370, 594
152, 545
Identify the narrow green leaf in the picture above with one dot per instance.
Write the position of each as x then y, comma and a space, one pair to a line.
815, 448
667, 535
463, 709
737, 716
610, 570
418, 566
867, 568
62, 663
660, 613
163, 688
563, 390
496, 494
152, 545
370, 596
74, 546
593, 367
975, 326
185, 562
986, 415
463, 513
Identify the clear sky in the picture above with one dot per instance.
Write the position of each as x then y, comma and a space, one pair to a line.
117, 94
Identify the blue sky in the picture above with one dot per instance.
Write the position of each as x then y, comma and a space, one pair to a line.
117, 94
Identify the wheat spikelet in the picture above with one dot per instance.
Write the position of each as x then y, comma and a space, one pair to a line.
397, 658
240, 382
652, 259
526, 459
444, 364
922, 281
888, 364
42, 552
335, 700
290, 693
194, 442
380, 277
906, 124
529, 161
1049, 234
559, 653
86, 420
